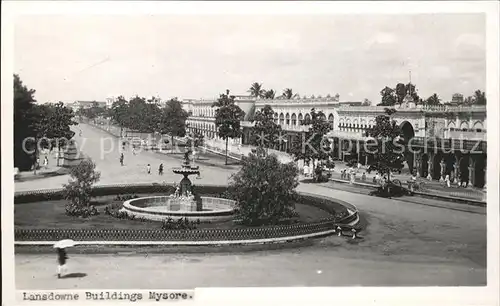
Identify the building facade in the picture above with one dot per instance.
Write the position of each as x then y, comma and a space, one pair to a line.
75, 106
443, 140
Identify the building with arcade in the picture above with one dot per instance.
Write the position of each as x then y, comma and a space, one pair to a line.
442, 140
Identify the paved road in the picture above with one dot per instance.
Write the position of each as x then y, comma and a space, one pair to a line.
103, 149
404, 244
314, 266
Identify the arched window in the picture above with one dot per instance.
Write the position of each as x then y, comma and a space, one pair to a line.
301, 118
307, 117
287, 119
478, 126
294, 119
330, 119
282, 119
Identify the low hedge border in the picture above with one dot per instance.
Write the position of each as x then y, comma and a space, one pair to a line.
264, 232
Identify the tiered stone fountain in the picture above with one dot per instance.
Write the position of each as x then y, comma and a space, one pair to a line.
182, 203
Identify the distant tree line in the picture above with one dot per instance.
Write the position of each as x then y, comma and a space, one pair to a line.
391, 96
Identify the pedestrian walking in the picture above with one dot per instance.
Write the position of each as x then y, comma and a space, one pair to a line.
354, 233
447, 180
121, 159
306, 171
160, 169
148, 168
363, 177
62, 257
46, 162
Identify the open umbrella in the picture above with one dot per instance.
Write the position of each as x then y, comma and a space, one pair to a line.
66, 243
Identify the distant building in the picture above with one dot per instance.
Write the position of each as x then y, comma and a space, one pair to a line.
457, 99
86, 104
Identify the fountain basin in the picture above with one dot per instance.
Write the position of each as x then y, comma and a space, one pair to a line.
159, 208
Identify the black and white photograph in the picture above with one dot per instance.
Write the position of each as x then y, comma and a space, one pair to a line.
255, 148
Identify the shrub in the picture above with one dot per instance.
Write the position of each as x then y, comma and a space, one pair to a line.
79, 190
263, 189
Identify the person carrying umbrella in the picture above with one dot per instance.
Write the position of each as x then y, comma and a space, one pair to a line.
62, 256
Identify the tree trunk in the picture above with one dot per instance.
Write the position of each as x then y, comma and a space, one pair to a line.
121, 131
172, 143
36, 155
226, 148
58, 154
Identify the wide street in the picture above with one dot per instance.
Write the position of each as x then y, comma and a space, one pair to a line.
405, 243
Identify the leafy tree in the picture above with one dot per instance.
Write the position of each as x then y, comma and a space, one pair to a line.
366, 102
468, 101
172, 120
288, 94
59, 131
388, 97
23, 127
269, 94
400, 92
265, 130
119, 113
389, 152
79, 189
264, 189
313, 145
412, 90
228, 116
256, 90
479, 97
433, 100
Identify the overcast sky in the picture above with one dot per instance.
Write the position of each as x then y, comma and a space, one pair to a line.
91, 58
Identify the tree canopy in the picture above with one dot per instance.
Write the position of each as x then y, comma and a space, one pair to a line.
264, 189
265, 130
228, 117
50, 121
313, 145
389, 146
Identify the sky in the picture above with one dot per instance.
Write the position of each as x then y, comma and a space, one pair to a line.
68, 58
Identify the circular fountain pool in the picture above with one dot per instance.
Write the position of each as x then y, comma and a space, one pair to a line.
159, 208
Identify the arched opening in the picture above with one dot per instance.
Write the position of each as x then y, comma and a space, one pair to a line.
478, 126
282, 119
294, 119
479, 171
287, 119
307, 117
407, 132
301, 118
436, 166
330, 120
424, 169
463, 164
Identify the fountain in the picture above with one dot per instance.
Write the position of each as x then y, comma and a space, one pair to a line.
183, 198
182, 203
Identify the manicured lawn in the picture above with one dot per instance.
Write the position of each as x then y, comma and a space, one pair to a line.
51, 214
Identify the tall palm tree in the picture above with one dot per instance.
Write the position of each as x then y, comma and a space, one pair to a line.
433, 100
288, 93
269, 94
256, 90
479, 97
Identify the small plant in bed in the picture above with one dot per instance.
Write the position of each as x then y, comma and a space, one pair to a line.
79, 189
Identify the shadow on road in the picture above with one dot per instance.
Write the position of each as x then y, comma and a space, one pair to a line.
74, 275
